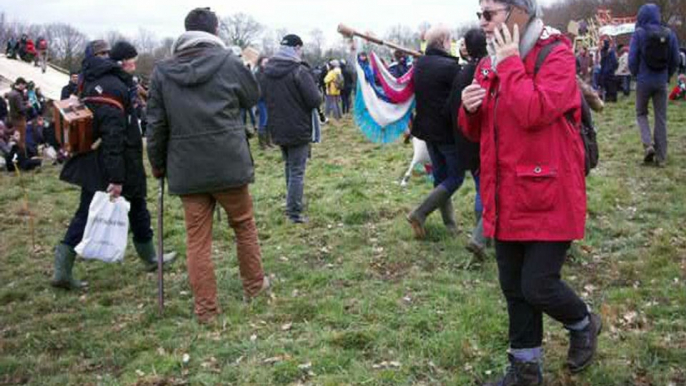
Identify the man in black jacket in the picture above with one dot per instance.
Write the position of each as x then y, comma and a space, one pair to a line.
291, 95
71, 87
115, 166
198, 141
434, 74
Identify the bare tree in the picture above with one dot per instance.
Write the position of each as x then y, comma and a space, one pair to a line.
111, 37
145, 41
66, 43
240, 30
315, 47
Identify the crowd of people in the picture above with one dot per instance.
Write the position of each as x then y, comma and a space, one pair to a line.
508, 110
27, 50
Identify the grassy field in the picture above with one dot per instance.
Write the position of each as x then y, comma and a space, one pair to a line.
356, 300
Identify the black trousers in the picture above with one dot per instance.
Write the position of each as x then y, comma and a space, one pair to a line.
139, 220
529, 274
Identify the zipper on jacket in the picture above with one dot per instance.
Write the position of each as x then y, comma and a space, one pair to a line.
497, 168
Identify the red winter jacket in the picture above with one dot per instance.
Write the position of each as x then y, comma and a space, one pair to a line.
532, 158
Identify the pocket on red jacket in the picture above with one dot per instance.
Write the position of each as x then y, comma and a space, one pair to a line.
536, 188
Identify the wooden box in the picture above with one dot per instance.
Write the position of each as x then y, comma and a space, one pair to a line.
73, 125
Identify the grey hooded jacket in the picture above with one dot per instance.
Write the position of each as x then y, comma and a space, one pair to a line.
197, 135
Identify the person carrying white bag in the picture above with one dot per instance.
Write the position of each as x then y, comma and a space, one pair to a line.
106, 230
114, 164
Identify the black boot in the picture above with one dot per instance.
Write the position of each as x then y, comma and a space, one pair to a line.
64, 263
583, 344
433, 201
520, 374
448, 215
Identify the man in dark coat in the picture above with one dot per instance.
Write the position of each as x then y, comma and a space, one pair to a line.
116, 166
72, 87
608, 66
434, 74
3, 108
18, 109
292, 95
198, 141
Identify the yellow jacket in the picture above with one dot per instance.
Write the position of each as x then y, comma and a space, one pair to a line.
330, 82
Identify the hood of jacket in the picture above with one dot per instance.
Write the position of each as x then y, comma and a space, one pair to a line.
278, 67
198, 56
95, 67
649, 14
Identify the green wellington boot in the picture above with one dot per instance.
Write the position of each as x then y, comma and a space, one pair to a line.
433, 201
64, 263
148, 255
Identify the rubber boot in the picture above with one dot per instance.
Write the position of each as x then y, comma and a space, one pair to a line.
418, 216
583, 344
262, 141
448, 215
521, 374
477, 243
148, 255
270, 143
64, 263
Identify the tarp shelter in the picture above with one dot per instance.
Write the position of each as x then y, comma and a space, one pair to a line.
50, 83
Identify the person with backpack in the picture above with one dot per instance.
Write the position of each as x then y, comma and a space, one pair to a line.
653, 59
533, 188
608, 67
334, 82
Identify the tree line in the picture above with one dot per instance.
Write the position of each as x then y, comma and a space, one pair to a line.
67, 43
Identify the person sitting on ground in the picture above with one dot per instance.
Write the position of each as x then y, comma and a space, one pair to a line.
679, 91
11, 48
18, 154
532, 180
34, 136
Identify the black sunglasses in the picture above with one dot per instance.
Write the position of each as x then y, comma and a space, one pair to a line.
488, 13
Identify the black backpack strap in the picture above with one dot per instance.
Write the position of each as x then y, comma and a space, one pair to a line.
543, 55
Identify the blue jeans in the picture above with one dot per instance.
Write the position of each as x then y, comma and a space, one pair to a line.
445, 165
295, 160
262, 112
244, 115
139, 220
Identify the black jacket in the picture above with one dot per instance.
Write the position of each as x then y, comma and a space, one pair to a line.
68, 90
119, 159
291, 94
3, 108
434, 74
196, 133
467, 151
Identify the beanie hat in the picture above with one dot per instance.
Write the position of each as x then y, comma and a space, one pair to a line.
202, 19
123, 50
99, 47
292, 40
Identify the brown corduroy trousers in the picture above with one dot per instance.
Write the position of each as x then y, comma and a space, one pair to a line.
198, 210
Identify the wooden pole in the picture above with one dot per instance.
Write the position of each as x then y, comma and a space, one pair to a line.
350, 32
160, 247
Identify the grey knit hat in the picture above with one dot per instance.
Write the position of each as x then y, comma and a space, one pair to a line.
530, 6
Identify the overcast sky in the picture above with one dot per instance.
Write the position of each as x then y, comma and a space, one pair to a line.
165, 18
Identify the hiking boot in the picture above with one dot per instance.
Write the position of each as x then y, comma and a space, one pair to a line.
433, 201
659, 163
270, 142
64, 263
520, 374
148, 255
448, 215
649, 154
265, 289
583, 344
299, 219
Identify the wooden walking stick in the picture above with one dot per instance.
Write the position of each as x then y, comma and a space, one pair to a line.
350, 32
25, 210
160, 247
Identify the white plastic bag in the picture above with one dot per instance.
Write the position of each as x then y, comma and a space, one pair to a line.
106, 230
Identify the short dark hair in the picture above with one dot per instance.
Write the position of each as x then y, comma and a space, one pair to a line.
202, 19
19, 81
475, 42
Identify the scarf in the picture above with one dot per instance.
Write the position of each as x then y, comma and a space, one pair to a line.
288, 53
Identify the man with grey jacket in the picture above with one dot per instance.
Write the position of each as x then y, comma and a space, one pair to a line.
198, 141
291, 94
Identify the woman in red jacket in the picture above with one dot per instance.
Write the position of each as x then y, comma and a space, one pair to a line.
532, 179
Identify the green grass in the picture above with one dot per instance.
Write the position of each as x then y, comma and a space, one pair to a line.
360, 292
